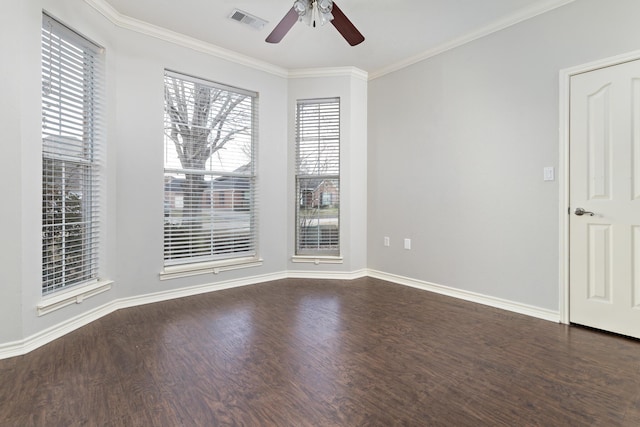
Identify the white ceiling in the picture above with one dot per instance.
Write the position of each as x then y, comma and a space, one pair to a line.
396, 32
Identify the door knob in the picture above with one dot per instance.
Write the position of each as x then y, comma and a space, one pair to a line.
580, 212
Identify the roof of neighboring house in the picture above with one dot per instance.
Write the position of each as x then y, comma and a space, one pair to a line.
178, 184
314, 184
174, 184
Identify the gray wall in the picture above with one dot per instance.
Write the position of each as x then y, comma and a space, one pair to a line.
139, 159
352, 91
11, 182
457, 146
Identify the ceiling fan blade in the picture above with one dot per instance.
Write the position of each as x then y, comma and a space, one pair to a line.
283, 27
345, 27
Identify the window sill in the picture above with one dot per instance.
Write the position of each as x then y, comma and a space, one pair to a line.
187, 270
75, 295
317, 260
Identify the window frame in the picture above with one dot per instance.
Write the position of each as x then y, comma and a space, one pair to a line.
241, 179
72, 74
321, 127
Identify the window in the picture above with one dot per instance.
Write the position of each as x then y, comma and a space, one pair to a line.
71, 114
209, 171
318, 177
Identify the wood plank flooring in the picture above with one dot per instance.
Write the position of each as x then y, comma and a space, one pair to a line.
324, 353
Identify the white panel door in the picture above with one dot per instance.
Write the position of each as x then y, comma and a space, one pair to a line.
605, 182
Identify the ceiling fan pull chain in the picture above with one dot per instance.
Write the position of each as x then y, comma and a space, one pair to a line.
313, 11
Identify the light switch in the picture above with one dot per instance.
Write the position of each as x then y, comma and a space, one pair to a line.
407, 243
549, 173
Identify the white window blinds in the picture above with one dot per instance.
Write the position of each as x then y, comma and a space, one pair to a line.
210, 197
71, 111
318, 177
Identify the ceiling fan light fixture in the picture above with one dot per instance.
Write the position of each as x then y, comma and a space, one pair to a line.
325, 17
302, 7
324, 6
308, 10
325, 11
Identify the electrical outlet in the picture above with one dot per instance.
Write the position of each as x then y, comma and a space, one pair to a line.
387, 242
407, 243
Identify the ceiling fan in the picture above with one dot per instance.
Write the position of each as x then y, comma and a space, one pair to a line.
325, 11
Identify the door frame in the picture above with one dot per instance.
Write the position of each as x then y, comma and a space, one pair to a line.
563, 166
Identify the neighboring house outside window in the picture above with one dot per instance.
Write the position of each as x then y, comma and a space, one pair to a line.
209, 171
71, 116
318, 177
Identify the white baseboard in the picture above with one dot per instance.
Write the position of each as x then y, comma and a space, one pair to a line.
18, 348
196, 290
335, 275
516, 307
21, 347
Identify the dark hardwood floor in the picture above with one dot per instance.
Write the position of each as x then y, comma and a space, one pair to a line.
324, 353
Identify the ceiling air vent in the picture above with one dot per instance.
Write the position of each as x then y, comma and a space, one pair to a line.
248, 19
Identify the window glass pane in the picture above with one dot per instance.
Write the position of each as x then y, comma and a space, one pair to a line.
318, 215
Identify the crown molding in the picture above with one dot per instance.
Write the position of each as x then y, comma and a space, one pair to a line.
123, 21
303, 73
537, 9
